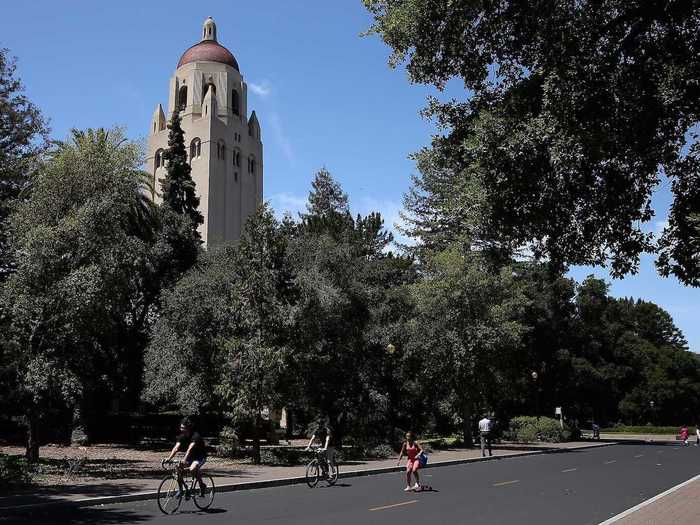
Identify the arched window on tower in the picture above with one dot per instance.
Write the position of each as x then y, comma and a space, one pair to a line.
251, 165
182, 99
223, 151
195, 149
159, 159
235, 103
206, 89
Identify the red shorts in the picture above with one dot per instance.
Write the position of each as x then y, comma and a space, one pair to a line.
412, 465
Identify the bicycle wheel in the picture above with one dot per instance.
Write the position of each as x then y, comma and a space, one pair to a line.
169, 495
313, 473
333, 472
203, 499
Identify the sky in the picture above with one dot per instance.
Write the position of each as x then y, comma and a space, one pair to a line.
324, 95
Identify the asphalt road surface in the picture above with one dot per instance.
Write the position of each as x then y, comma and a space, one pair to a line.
573, 488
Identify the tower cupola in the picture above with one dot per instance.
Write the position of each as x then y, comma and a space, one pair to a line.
209, 30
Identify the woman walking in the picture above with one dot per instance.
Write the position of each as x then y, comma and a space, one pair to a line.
412, 449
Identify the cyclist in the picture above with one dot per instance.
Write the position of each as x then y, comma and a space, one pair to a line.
323, 435
412, 449
192, 444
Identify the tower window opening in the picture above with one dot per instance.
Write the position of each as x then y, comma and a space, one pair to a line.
182, 99
235, 103
252, 166
235, 176
223, 152
195, 149
159, 161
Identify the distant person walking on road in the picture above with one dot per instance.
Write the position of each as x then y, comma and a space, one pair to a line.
485, 426
697, 434
684, 435
596, 430
412, 449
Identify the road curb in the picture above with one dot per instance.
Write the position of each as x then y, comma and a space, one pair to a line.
252, 485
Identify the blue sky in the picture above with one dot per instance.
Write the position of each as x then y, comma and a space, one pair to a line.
324, 96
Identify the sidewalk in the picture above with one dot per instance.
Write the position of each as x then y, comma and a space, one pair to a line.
239, 477
679, 506
641, 437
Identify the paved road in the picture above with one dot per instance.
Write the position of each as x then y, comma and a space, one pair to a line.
573, 488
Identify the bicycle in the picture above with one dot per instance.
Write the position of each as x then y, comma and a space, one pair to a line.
320, 468
174, 486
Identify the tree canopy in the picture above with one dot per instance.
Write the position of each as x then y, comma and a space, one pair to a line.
572, 112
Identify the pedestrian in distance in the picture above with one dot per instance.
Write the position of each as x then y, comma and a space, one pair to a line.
596, 430
485, 426
684, 435
412, 450
697, 434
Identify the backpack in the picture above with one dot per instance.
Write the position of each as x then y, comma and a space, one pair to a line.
422, 459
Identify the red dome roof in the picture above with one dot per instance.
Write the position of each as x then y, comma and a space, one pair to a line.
208, 50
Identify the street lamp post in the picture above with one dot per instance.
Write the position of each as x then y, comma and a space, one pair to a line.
534, 377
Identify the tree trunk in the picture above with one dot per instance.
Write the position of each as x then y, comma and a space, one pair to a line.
467, 434
32, 451
256, 439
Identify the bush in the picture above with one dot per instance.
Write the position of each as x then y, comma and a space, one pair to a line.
284, 456
528, 429
228, 443
14, 470
383, 451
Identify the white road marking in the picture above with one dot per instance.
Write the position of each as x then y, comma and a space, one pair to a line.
610, 462
502, 483
570, 469
394, 505
639, 455
647, 502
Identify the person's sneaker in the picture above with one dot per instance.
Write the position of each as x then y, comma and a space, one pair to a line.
408, 488
415, 487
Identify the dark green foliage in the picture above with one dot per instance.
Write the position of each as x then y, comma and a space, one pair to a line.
23, 138
14, 471
178, 187
679, 247
572, 110
529, 429
95, 253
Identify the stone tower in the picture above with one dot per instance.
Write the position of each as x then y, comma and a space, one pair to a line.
224, 145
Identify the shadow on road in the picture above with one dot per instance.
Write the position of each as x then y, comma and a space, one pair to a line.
78, 516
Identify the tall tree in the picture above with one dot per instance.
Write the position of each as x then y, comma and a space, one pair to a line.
573, 109
23, 139
178, 187
84, 238
256, 355
467, 323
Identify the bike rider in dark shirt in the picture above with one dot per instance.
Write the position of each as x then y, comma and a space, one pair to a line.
322, 435
195, 450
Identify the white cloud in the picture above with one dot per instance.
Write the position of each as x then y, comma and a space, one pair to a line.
285, 202
262, 90
659, 228
391, 213
282, 139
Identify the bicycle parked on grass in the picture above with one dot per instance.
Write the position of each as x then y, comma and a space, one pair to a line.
320, 468
180, 483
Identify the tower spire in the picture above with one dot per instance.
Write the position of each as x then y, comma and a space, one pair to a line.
209, 30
